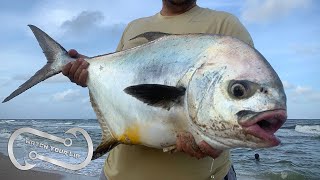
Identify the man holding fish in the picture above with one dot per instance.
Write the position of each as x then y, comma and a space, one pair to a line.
174, 86
191, 161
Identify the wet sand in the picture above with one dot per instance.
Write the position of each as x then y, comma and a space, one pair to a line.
10, 172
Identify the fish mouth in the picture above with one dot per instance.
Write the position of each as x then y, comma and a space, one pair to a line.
265, 124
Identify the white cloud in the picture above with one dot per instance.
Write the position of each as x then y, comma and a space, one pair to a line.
263, 11
89, 25
52, 14
301, 94
302, 90
83, 22
287, 85
67, 95
105, 23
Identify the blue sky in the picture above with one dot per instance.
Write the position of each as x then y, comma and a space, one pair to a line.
286, 32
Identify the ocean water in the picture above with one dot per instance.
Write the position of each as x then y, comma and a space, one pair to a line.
56, 127
298, 156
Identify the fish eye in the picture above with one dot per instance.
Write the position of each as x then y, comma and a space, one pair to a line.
238, 90
241, 89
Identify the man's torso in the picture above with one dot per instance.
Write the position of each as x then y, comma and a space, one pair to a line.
139, 162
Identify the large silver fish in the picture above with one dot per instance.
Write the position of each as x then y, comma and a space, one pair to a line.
218, 88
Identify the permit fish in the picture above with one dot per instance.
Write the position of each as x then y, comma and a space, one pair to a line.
218, 88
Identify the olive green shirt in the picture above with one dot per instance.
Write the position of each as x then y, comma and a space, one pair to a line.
137, 162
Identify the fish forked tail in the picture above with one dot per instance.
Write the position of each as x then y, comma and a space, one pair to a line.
56, 56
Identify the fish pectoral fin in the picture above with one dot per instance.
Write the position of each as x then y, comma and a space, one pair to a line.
151, 36
157, 95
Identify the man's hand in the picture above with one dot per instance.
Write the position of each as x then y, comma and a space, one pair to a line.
76, 71
186, 143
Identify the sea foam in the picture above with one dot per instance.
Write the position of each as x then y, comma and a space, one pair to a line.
314, 129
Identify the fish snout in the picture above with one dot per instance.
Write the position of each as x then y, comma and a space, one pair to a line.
263, 125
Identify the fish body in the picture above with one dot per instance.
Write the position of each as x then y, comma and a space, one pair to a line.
218, 88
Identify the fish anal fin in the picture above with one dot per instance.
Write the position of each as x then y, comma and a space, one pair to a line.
151, 36
156, 95
103, 148
108, 142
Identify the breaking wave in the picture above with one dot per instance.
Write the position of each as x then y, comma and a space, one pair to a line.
67, 123
35, 122
7, 121
315, 129
4, 133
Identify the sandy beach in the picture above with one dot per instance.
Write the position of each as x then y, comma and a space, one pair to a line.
9, 171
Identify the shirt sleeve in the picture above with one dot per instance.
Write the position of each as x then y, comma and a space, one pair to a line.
121, 43
233, 27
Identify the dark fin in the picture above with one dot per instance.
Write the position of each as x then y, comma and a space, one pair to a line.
103, 148
107, 141
49, 46
53, 52
156, 95
151, 36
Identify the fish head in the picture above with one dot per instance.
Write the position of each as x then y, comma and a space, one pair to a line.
235, 98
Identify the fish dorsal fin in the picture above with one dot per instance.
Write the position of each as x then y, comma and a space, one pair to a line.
151, 36
156, 95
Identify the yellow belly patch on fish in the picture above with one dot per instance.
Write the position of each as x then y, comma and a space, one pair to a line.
131, 135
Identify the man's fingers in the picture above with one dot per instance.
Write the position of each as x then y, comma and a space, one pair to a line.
77, 74
75, 65
76, 70
184, 144
195, 152
83, 78
178, 144
84, 65
207, 149
73, 53
66, 69
195, 148
187, 144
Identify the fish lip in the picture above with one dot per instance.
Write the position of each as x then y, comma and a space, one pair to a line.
272, 119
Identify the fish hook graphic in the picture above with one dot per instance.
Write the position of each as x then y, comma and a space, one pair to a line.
33, 155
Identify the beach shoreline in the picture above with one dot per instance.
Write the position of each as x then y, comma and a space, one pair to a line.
9, 171
295, 158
